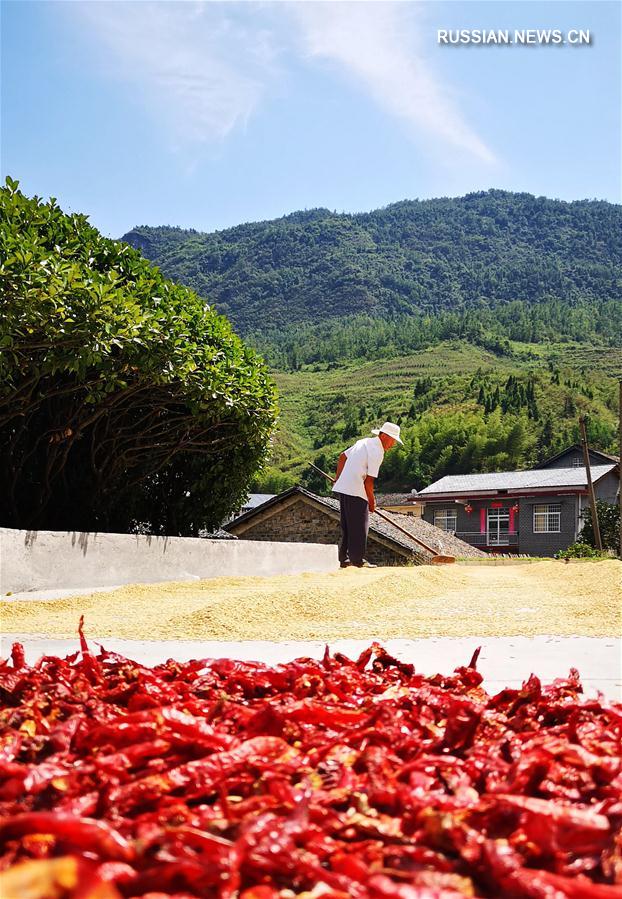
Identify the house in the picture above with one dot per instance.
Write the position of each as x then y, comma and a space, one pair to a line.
299, 516
535, 512
252, 501
404, 503
572, 457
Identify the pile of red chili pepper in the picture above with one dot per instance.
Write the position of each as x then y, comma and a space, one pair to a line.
326, 778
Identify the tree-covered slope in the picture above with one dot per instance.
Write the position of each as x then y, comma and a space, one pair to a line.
483, 324
537, 263
462, 409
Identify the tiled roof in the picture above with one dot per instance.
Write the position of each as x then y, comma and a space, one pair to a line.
377, 525
516, 480
440, 540
394, 499
256, 499
332, 503
218, 534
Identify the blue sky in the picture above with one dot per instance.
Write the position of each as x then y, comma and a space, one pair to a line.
208, 114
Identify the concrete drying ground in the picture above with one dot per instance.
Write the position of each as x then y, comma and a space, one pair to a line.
544, 617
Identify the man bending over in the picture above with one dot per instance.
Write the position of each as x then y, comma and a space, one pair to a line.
357, 468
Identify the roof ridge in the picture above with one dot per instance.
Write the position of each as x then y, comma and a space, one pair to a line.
569, 449
473, 474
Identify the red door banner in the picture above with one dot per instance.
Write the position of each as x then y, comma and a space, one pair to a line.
511, 519
482, 521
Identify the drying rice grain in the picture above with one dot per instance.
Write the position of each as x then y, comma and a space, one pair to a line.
582, 599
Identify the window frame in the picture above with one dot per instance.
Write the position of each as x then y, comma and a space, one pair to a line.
544, 512
446, 513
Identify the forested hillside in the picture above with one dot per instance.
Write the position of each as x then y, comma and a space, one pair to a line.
484, 325
546, 268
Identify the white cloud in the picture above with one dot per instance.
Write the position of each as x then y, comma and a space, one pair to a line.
199, 72
377, 43
203, 68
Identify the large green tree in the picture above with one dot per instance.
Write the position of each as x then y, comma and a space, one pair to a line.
125, 400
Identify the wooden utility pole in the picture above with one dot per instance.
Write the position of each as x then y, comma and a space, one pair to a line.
590, 485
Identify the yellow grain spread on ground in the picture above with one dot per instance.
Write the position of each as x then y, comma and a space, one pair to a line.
549, 597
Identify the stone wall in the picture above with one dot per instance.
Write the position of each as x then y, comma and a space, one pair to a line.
545, 543
380, 554
294, 523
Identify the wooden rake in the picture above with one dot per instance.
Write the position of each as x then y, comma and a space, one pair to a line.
437, 558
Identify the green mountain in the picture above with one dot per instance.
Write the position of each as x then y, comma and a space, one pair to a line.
483, 324
539, 264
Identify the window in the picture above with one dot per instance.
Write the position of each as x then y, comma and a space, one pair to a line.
547, 518
446, 519
577, 462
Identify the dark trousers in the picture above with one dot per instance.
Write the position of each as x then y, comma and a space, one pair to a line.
354, 528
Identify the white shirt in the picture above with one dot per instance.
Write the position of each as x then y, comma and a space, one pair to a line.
362, 459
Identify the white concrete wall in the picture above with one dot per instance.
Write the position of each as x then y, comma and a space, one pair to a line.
46, 560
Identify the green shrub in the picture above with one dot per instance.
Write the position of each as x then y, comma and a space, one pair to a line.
609, 525
580, 550
125, 400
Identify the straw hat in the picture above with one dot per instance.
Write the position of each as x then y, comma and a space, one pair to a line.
389, 428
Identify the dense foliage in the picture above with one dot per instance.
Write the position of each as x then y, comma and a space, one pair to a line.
505, 265
335, 341
608, 523
125, 400
527, 289
581, 550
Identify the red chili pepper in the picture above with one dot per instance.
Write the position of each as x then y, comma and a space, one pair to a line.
83, 833
194, 728
201, 775
219, 779
132, 756
545, 884
385, 888
328, 715
515, 880
35, 778
10, 745
261, 892
18, 656
560, 828
84, 804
